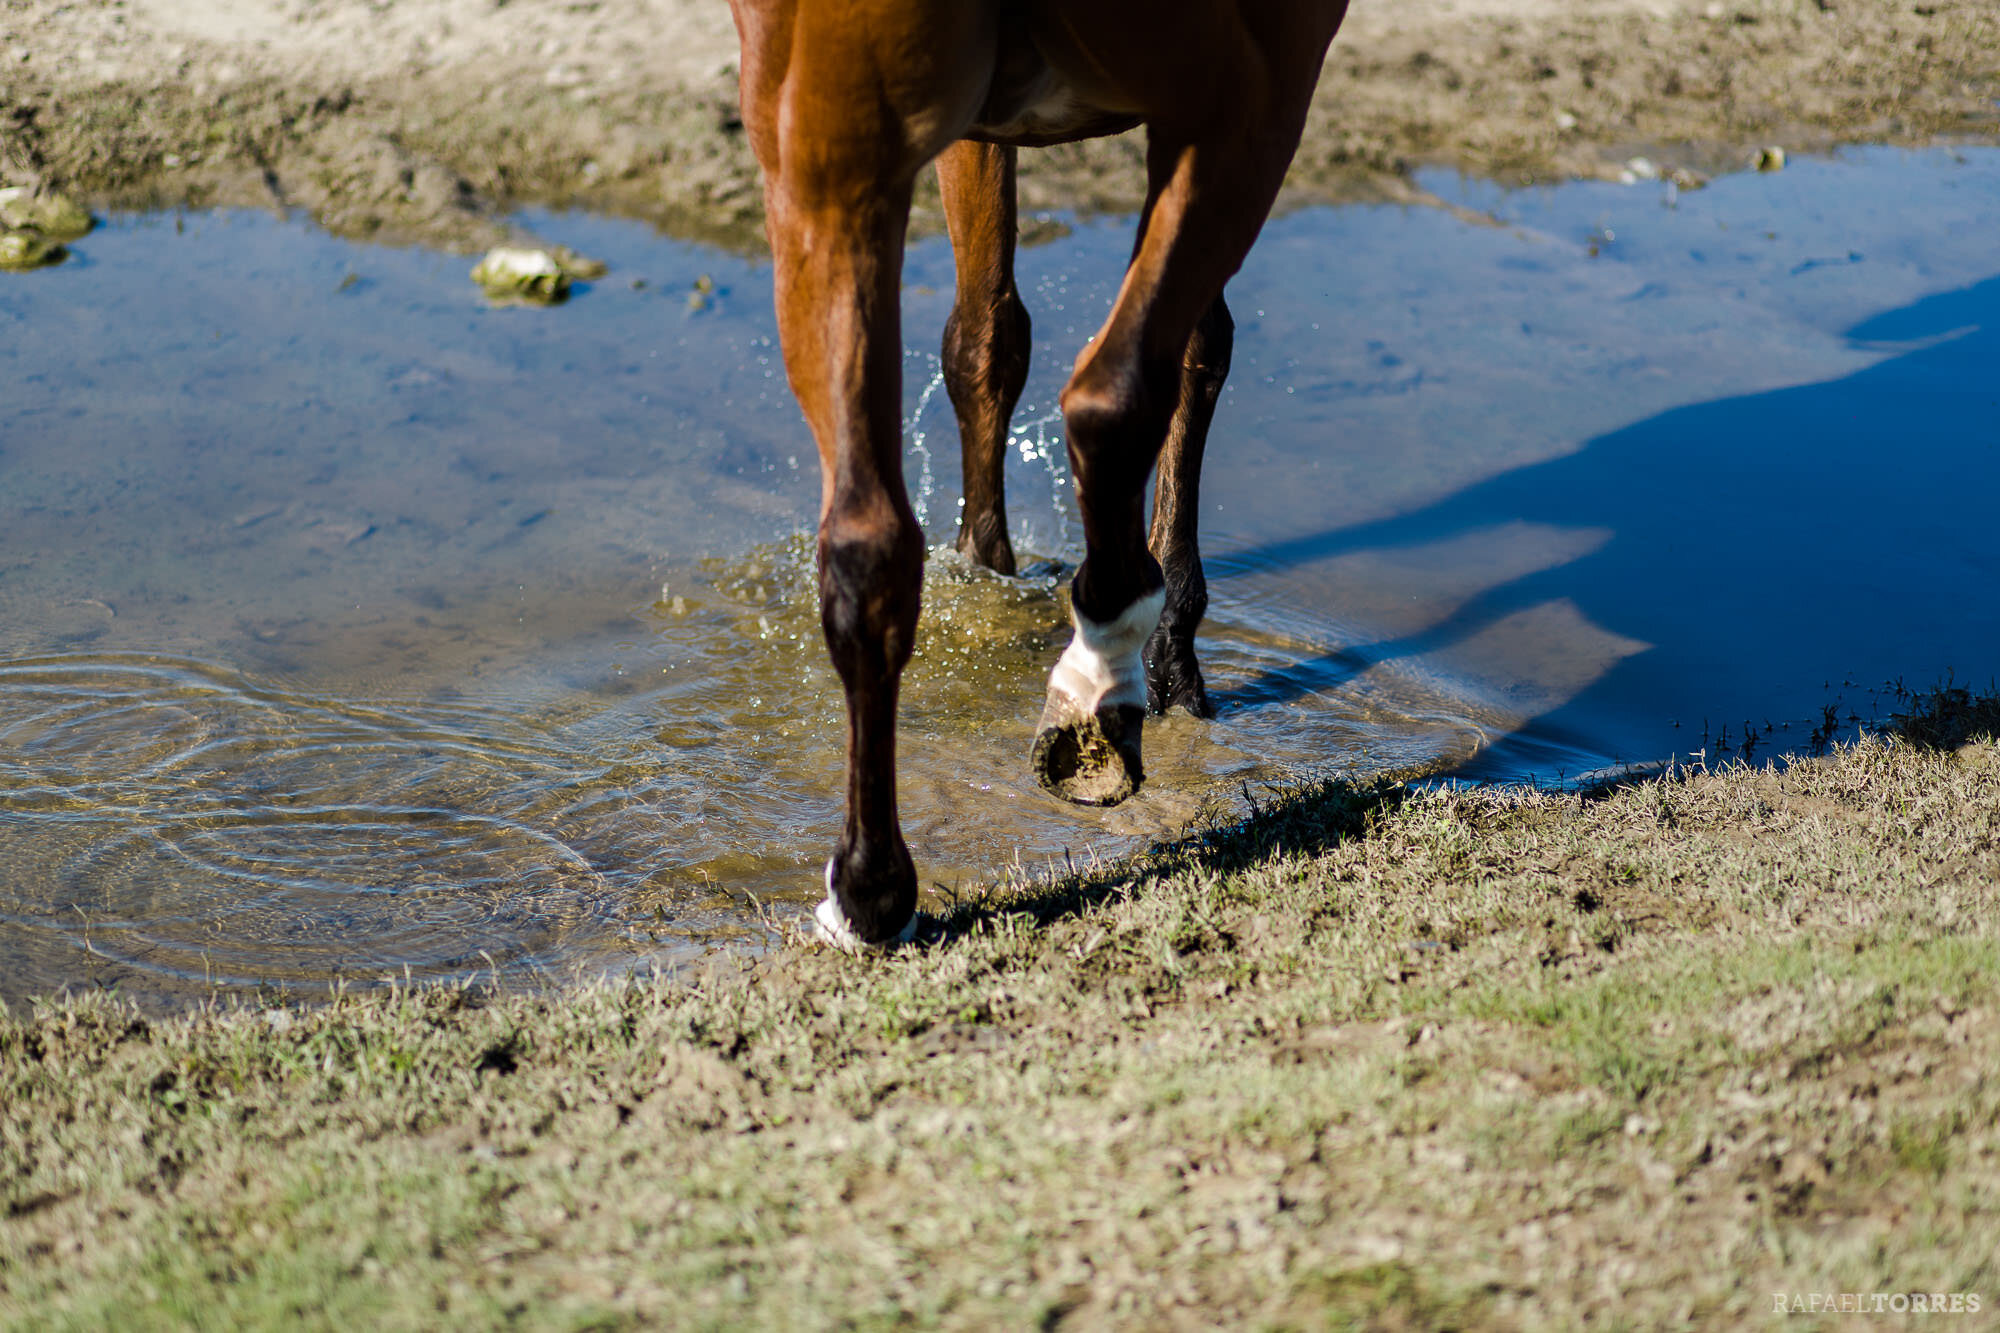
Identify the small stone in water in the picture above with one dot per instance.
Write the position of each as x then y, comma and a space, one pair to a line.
580, 267
525, 275
1771, 159
27, 249
57, 217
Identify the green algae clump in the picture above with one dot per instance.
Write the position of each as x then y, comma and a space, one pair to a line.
57, 217
23, 250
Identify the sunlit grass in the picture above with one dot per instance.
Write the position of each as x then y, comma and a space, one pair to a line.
1389, 1058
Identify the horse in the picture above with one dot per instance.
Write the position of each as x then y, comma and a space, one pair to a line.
845, 102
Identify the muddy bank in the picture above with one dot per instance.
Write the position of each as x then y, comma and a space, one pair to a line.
427, 119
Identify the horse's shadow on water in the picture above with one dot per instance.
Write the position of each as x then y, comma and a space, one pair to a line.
1755, 543
1767, 538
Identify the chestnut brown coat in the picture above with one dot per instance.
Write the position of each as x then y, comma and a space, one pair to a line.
845, 102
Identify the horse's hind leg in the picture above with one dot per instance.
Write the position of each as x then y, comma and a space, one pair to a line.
1210, 188
1173, 676
985, 338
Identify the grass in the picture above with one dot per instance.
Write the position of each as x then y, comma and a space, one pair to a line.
1382, 1059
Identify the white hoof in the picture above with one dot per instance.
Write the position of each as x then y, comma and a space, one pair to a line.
830, 925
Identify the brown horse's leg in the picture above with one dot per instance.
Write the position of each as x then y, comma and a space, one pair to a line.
985, 338
841, 137
1173, 677
838, 286
1210, 189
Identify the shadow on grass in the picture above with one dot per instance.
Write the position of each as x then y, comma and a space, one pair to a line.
1308, 820
1300, 821
1726, 560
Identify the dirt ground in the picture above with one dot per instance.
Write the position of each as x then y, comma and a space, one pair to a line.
427, 119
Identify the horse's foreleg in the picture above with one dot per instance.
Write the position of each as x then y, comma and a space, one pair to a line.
838, 258
985, 338
1173, 676
1209, 191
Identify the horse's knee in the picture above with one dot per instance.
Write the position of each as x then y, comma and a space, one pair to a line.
1116, 409
870, 572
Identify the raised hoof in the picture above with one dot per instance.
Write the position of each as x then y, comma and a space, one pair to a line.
1089, 758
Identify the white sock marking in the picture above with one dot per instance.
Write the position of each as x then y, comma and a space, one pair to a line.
1102, 667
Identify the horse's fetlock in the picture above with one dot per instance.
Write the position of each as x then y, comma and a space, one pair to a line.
1181, 619
1187, 604
983, 539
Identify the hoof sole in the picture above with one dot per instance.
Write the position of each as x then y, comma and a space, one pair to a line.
1091, 759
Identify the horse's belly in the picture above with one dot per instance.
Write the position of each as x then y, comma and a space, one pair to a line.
1059, 112
1032, 103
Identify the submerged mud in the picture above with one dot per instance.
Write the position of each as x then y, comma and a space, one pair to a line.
420, 119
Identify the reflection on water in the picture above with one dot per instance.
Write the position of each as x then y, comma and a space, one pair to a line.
348, 627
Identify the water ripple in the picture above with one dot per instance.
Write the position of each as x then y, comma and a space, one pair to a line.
168, 823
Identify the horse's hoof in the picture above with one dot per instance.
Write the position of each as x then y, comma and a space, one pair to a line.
831, 926
1089, 758
1173, 677
1166, 691
1087, 747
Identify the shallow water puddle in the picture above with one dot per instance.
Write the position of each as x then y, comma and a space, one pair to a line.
348, 626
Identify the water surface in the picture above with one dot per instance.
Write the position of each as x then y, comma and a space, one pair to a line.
349, 626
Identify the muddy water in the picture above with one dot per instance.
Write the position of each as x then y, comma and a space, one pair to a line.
349, 627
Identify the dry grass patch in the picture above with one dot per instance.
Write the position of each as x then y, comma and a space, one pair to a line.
1373, 1059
